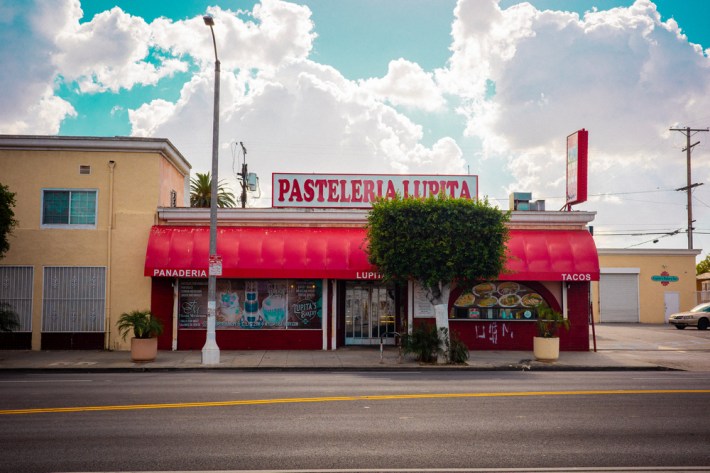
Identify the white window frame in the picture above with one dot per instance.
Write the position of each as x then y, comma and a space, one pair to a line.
69, 226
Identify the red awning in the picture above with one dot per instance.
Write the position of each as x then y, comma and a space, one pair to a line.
340, 253
260, 252
551, 255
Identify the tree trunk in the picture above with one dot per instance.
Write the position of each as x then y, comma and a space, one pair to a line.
441, 311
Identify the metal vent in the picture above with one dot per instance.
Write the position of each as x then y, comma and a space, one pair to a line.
173, 198
84, 169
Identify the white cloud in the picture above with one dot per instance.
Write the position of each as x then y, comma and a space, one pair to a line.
110, 52
522, 80
275, 31
27, 103
300, 117
407, 84
528, 78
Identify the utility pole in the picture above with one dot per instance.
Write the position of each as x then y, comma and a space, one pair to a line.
243, 175
688, 132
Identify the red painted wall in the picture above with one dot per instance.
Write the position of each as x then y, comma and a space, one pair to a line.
161, 306
253, 339
578, 307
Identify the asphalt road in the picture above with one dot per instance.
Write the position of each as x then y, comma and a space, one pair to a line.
186, 421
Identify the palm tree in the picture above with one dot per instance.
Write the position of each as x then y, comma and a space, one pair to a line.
200, 192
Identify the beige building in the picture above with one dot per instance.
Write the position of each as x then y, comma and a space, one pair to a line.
85, 207
645, 286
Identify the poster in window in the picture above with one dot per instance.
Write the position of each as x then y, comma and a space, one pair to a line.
275, 304
305, 304
192, 304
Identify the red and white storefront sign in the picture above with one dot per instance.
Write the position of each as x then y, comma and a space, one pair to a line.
360, 190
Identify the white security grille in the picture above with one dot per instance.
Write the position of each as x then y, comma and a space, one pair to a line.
74, 299
16, 290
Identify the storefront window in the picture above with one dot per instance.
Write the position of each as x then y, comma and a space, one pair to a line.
276, 304
496, 300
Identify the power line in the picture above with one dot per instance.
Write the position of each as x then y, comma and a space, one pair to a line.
655, 240
603, 194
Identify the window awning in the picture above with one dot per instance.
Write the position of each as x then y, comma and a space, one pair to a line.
340, 253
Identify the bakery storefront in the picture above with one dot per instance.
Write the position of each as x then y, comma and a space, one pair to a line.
297, 276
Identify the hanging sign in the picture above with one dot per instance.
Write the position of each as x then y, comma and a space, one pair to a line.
577, 144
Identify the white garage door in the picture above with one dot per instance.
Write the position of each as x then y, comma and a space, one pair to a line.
619, 297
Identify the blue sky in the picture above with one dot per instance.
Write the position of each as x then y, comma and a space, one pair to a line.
398, 86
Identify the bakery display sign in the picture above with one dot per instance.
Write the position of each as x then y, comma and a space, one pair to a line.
497, 300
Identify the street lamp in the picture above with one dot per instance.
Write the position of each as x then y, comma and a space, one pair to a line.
210, 352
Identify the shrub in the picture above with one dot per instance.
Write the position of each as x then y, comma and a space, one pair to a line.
423, 342
456, 350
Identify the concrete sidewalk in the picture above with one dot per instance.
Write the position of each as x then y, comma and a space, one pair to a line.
619, 347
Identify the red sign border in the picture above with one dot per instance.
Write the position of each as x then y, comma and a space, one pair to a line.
582, 137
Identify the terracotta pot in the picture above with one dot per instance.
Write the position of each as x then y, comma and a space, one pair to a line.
546, 349
144, 349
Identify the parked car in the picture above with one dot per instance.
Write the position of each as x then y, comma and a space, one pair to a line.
698, 316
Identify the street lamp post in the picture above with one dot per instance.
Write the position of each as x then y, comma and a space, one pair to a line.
210, 352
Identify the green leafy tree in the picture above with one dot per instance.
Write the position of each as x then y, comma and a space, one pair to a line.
437, 241
201, 192
703, 266
7, 217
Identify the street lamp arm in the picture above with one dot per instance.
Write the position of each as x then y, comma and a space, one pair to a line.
209, 21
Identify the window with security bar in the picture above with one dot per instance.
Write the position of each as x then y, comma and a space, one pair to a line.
74, 299
16, 292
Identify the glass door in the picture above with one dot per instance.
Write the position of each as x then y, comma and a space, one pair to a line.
369, 314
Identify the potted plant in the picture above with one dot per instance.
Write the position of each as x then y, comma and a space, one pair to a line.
546, 346
145, 328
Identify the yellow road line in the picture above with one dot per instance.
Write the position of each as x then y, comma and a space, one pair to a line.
251, 402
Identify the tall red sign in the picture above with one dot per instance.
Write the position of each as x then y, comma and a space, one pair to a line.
577, 144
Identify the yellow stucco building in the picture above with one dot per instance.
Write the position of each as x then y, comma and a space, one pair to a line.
85, 207
643, 285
